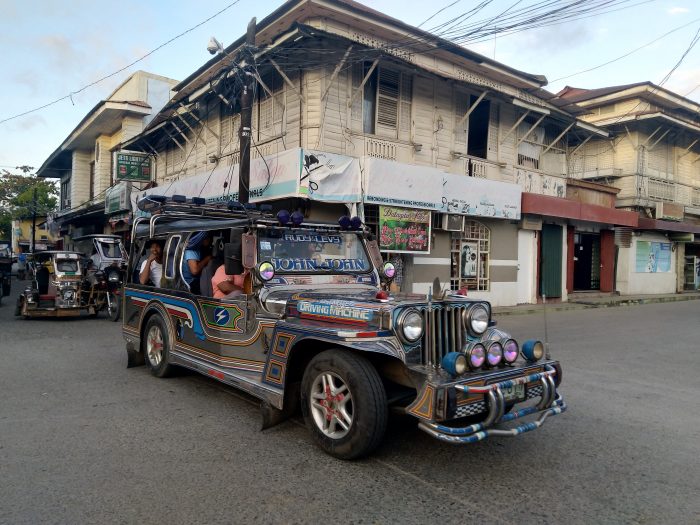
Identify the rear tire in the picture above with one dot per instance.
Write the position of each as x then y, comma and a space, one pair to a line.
344, 404
156, 347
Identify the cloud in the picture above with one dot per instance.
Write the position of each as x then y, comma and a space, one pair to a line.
678, 11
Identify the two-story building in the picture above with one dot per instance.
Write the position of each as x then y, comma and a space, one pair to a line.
433, 144
84, 162
652, 156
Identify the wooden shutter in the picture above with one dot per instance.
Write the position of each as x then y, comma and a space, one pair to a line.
388, 98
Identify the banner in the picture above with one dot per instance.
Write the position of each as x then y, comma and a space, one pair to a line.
404, 230
653, 257
396, 184
328, 177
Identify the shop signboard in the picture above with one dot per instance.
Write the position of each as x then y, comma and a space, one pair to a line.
132, 165
404, 230
653, 257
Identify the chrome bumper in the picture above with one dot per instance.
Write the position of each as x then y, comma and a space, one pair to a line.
551, 404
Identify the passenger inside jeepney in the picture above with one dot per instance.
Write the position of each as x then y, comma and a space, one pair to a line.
195, 259
151, 269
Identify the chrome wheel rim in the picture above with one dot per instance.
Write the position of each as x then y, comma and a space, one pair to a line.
331, 405
154, 346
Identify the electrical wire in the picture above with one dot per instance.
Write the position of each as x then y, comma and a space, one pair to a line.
70, 95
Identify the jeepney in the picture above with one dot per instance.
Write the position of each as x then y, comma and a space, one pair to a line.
314, 329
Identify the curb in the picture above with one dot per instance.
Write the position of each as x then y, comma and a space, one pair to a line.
580, 305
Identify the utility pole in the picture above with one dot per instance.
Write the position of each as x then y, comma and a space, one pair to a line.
34, 222
246, 117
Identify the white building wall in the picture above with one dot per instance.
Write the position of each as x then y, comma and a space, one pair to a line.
527, 266
629, 282
80, 177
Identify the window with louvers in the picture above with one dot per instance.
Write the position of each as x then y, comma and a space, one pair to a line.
388, 98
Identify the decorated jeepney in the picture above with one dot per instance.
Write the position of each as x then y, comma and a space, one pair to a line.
313, 327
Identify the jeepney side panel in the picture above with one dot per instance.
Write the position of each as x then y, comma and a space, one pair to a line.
288, 337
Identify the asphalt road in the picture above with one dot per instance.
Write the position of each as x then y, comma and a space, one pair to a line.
83, 439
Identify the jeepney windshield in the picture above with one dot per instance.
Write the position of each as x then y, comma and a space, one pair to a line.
308, 251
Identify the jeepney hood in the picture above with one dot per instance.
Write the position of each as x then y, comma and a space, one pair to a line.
361, 307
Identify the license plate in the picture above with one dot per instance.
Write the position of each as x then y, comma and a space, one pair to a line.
514, 393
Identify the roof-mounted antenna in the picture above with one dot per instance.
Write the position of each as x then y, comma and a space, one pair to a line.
547, 355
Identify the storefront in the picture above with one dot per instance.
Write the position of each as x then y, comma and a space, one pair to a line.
576, 245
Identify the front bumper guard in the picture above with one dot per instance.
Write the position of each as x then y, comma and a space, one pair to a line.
551, 404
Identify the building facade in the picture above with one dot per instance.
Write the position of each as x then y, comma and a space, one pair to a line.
84, 162
460, 163
652, 157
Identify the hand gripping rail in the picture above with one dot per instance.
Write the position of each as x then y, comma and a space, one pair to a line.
550, 405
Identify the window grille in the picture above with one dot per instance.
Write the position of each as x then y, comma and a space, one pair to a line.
470, 257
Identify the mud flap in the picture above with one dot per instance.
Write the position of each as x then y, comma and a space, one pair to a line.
134, 358
272, 416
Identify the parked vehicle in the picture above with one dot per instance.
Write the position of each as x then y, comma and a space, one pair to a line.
60, 287
5, 268
312, 328
108, 257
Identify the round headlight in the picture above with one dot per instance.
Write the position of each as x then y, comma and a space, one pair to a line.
533, 350
476, 319
494, 353
510, 351
113, 277
455, 363
477, 355
410, 324
388, 270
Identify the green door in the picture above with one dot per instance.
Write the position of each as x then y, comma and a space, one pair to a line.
550, 260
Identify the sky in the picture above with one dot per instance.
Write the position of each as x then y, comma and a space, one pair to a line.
50, 49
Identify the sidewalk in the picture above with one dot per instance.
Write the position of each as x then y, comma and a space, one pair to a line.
581, 301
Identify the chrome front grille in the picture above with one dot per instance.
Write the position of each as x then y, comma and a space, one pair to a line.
444, 332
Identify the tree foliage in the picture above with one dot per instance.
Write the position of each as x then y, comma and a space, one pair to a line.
17, 199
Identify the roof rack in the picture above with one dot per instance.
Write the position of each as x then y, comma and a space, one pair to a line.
180, 207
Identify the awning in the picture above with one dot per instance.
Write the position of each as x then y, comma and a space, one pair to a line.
536, 204
654, 224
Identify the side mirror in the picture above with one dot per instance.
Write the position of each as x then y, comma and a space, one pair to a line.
232, 257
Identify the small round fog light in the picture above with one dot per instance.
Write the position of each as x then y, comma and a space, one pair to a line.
510, 351
494, 353
533, 350
454, 363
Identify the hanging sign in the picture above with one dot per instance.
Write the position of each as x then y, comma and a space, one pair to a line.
132, 165
404, 230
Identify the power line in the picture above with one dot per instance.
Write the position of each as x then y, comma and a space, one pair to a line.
70, 95
628, 53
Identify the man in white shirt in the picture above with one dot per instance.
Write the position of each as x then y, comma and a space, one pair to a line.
152, 268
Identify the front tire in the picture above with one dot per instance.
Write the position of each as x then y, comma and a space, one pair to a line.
344, 404
114, 307
156, 347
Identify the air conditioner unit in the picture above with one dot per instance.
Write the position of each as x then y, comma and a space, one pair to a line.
452, 223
